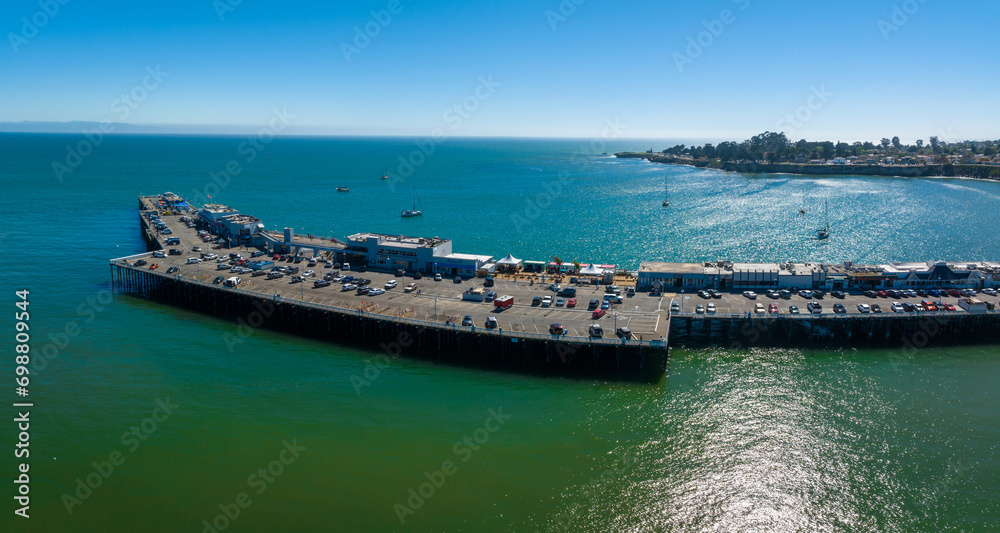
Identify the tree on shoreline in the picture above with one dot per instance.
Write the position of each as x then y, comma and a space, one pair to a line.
775, 147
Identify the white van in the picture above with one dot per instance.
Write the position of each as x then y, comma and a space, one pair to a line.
232, 282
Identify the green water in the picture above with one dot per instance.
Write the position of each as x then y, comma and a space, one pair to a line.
752, 440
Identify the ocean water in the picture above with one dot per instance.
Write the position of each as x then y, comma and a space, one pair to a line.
300, 435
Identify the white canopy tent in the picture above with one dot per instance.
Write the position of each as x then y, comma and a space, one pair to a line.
591, 270
510, 260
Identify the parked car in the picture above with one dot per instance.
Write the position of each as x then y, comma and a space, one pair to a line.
598, 313
559, 302
536, 301
410, 288
546, 301
814, 307
750, 294
876, 308
623, 333
458, 279
218, 280
605, 305
437, 277
700, 309
391, 284
571, 302
595, 330
321, 283
773, 308
896, 307
348, 287
159, 254
758, 308
490, 296
793, 309
274, 274
556, 329
839, 308
467, 321
171, 270
491, 322
675, 307
593, 304
838, 294
711, 308
193, 260
141, 262
864, 308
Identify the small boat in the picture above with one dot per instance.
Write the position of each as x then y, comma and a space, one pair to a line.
413, 212
385, 173
825, 232
802, 211
666, 195
343, 189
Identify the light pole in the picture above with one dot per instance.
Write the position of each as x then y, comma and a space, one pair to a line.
435, 309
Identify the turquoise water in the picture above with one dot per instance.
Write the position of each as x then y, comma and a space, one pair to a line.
749, 440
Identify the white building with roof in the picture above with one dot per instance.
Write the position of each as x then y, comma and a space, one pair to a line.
391, 252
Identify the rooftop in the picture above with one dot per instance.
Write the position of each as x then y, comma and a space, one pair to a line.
398, 240
681, 268
218, 208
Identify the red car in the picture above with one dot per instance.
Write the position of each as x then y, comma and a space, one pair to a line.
882, 294
154, 266
772, 308
571, 302
946, 306
598, 313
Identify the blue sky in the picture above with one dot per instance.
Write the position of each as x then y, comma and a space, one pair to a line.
563, 69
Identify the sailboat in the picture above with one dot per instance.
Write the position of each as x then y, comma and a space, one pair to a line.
385, 173
413, 212
825, 232
666, 195
343, 188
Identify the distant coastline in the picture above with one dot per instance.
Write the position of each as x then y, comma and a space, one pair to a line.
984, 172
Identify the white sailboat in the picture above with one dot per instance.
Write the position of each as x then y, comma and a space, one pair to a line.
825, 232
666, 194
413, 212
385, 173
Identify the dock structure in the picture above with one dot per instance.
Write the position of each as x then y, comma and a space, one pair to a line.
669, 305
425, 322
